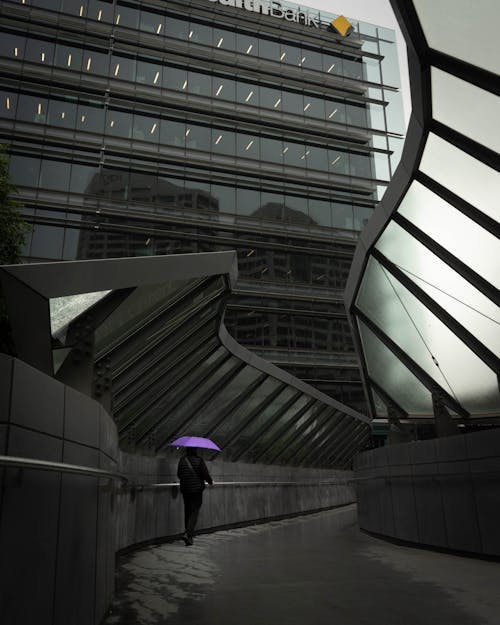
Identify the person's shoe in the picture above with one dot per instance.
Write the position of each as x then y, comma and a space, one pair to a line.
187, 540
190, 541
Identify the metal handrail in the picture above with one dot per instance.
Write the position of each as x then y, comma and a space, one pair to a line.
63, 467
266, 483
60, 467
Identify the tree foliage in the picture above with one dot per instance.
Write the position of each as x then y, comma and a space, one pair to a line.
13, 231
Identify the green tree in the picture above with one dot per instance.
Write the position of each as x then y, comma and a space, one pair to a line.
13, 231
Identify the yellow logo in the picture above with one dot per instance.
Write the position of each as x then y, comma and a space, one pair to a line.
342, 26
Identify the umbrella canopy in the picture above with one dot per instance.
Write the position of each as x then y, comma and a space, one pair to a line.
195, 441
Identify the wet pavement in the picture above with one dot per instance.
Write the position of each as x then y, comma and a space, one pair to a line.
311, 570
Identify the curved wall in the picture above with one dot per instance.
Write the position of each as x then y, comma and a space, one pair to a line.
441, 493
59, 533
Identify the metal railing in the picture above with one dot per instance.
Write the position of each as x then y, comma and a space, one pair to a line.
75, 469
59, 467
63, 467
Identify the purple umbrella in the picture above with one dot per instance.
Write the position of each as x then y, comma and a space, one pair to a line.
195, 441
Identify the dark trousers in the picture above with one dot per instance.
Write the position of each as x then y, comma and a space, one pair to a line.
192, 505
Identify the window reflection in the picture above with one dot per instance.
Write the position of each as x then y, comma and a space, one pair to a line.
174, 78
200, 84
224, 39
32, 109
100, 11
8, 104
149, 73
152, 23
62, 113
176, 28
68, 57
200, 33
172, 133
90, 118
247, 45
39, 52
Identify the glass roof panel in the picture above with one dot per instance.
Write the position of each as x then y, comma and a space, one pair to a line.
462, 174
470, 307
380, 406
144, 301
304, 435
210, 412
265, 416
391, 375
184, 402
283, 443
147, 413
275, 424
429, 342
63, 310
282, 426
464, 238
466, 108
464, 29
329, 442
230, 426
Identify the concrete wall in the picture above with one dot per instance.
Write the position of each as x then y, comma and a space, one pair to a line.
59, 532
450, 498
145, 514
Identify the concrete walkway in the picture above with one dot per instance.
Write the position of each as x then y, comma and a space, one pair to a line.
313, 570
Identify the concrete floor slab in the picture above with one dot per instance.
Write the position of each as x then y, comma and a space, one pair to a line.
313, 570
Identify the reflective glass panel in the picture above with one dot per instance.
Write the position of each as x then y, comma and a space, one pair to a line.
201, 84
468, 241
229, 428
8, 104
90, 118
64, 309
282, 443
223, 88
200, 33
47, 242
54, 175
393, 377
32, 109
320, 212
176, 28
459, 38
152, 23
24, 170
149, 74
247, 146
100, 11
462, 174
12, 46
428, 341
68, 57
456, 295
456, 102
275, 425
39, 51
224, 39
209, 414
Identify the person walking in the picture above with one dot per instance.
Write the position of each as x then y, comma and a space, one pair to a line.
192, 473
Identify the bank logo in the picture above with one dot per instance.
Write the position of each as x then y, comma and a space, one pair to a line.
342, 26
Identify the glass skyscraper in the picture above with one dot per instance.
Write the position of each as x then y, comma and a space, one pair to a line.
144, 128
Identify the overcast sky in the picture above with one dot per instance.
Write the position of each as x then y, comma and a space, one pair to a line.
378, 12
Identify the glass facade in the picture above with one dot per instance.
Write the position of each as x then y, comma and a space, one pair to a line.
140, 130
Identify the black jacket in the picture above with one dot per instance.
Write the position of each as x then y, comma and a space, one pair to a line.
193, 481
